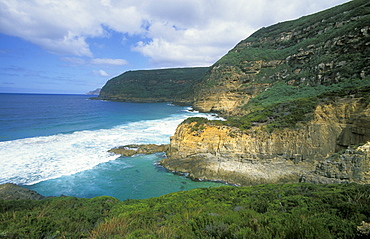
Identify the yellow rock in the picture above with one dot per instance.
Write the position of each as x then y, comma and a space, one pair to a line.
256, 156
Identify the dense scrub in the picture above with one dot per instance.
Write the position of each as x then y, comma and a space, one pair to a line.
62, 217
153, 85
264, 211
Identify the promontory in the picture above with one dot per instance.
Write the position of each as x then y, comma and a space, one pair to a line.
295, 96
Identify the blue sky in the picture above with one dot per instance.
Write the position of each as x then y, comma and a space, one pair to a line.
74, 46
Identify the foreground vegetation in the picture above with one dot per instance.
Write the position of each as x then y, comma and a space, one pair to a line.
264, 211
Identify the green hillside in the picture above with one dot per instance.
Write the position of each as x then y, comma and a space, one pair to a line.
163, 85
280, 73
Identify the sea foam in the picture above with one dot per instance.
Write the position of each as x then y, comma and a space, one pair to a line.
32, 160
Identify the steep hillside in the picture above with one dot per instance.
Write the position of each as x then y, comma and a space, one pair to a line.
165, 85
296, 96
290, 60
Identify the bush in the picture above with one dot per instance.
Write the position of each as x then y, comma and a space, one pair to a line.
264, 211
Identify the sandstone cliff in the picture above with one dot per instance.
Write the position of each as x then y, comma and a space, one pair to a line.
296, 96
255, 156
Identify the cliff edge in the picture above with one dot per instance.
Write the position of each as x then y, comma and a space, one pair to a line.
296, 97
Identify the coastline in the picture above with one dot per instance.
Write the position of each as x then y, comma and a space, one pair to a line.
134, 149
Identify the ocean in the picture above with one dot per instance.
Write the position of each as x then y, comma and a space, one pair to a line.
57, 145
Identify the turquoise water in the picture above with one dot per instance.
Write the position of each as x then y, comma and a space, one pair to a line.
57, 145
124, 178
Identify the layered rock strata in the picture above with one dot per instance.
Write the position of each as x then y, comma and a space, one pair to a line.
290, 155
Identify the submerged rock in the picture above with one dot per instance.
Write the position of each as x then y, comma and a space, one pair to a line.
10, 191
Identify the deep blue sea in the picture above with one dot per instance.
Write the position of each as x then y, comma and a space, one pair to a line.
57, 145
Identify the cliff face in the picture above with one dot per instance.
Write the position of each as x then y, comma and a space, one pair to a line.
296, 96
311, 153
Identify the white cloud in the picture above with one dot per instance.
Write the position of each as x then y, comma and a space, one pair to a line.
106, 61
213, 27
177, 33
101, 73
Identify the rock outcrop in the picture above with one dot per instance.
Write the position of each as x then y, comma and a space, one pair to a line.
10, 191
132, 149
310, 153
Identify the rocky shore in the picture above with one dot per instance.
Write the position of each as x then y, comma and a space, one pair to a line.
132, 149
322, 151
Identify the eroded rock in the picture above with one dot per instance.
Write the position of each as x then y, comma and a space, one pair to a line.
132, 149
291, 155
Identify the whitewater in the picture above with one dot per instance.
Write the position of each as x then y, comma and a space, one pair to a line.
37, 159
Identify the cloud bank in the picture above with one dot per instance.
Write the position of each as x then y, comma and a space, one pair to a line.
173, 33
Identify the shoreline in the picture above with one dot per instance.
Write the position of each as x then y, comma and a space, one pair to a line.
134, 149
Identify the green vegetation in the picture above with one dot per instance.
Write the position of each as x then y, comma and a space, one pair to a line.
200, 121
307, 62
284, 106
316, 29
311, 57
62, 217
264, 211
153, 85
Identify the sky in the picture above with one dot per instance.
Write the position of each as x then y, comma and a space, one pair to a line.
75, 46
